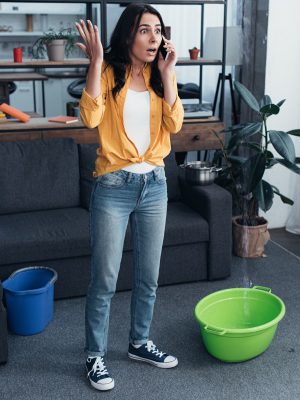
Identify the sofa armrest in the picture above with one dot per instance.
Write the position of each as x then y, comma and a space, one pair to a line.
215, 205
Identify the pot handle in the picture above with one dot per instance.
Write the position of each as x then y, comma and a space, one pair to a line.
214, 169
215, 331
264, 288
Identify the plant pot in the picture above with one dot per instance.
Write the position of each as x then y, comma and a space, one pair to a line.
194, 53
249, 241
56, 50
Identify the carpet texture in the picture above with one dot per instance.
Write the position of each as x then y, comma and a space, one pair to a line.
50, 365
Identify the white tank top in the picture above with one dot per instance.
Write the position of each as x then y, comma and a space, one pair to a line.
136, 118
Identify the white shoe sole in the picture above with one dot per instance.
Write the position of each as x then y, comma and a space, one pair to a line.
103, 386
171, 364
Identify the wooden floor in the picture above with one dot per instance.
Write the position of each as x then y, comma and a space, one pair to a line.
288, 240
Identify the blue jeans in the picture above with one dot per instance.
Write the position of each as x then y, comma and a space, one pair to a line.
117, 198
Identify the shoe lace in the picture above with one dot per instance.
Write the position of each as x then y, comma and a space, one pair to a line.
153, 349
99, 367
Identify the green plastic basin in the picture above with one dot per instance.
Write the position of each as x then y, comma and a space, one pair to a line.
239, 324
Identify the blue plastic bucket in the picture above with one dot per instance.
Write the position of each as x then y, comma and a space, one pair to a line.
29, 298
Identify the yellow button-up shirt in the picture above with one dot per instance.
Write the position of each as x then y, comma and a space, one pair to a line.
116, 150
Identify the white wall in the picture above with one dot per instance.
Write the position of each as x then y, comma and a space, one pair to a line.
283, 82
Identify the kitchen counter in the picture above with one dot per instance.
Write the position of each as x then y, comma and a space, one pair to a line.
41, 128
194, 135
12, 125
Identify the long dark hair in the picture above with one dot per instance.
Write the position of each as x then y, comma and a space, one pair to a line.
117, 54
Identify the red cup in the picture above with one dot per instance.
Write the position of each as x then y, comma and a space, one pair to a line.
17, 54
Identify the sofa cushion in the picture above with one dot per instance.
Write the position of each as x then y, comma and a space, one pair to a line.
87, 158
171, 170
183, 225
38, 175
43, 235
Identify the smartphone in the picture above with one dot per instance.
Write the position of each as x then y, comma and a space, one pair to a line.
162, 49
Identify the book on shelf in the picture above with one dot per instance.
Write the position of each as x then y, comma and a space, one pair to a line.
63, 119
196, 109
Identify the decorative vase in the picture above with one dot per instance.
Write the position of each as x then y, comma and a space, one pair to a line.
249, 241
56, 50
194, 53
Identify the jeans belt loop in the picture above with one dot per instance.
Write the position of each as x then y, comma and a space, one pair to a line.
128, 176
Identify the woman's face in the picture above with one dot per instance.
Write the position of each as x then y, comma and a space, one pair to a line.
147, 39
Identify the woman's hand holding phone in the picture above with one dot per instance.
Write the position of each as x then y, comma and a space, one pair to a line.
167, 56
162, 49
92, 45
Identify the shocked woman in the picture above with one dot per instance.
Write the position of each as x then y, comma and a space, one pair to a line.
131, 96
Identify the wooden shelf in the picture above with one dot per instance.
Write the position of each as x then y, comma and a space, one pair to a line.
70, 62
20, 33
173, 2
199, 61
84, 62
26, 76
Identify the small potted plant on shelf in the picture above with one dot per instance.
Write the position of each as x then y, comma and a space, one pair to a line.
194, 53
56, 44
246, 157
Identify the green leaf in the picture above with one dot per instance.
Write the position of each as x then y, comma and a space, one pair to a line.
270, 160
237, 159
283, 198
247, 96
280, 102
244, 134
283, 144
252, 172
251, 145
289, 165
294, 132
234, 128
265, 101
270, 109
264, 195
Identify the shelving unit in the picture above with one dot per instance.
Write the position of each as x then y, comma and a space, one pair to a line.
194, 129
181, 61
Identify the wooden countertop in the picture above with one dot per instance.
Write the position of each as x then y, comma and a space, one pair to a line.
26, 76
43, 123
194, 135
11, 125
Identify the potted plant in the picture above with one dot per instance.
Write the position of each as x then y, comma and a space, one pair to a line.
246, 157
194, 53
57, 44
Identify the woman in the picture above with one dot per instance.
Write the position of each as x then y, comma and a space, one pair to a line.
135, 106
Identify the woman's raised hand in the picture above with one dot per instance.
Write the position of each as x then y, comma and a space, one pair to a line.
92, 45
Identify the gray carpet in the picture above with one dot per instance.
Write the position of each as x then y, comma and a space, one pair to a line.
50, 365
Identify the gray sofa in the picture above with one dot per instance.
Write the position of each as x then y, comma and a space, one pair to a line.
45, 188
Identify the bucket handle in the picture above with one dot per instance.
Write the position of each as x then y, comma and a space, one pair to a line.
54, 279
264, 288
215, 331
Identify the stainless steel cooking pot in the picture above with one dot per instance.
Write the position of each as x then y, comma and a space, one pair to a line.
200, 172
